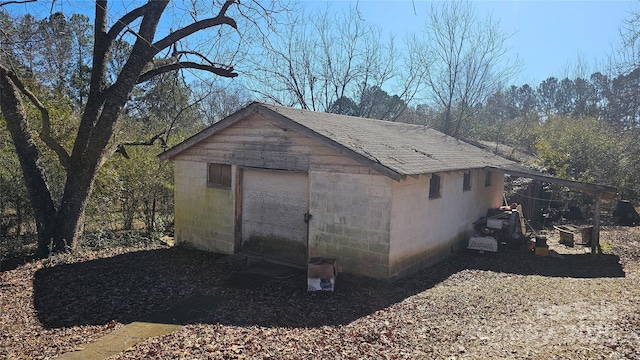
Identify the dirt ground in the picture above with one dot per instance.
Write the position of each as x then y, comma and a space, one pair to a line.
472, 306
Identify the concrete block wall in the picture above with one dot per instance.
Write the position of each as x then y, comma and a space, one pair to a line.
350, 221
204, 217
411, 226
424, 230
456, 210
488, 196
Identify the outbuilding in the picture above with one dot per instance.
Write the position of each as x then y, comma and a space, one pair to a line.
385, 199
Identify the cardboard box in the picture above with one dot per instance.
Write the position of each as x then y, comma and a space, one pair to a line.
542, 250
321, 274
321, 284
569, 234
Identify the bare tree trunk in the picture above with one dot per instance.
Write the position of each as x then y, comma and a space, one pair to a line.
91, 147
68, 224
595, 233
446, 120
150, 216
28, 155
60, 229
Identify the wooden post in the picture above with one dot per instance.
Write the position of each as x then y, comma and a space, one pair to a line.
237, 246
595, 235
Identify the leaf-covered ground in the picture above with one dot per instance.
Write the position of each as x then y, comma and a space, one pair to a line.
512, 306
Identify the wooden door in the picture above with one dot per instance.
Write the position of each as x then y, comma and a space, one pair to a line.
274, 204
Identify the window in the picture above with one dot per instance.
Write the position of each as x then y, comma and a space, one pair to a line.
219, 176
466, 182
487, 178
434, 186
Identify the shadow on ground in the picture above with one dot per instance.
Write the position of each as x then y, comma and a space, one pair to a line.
14, 262
565, 265
182, 286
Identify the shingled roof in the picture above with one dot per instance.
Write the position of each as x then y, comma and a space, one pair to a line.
404, 149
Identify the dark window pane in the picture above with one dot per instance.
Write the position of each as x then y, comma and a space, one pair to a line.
219, 175
466, 183
487, 178
225, 175
434, 186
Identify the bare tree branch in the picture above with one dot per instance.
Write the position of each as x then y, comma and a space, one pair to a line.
175, 118
125, 21
178, 54
16, 2
218, 70
94, 143
162, 137
464, 61
122, 150
149, 142
180, 34
320, 60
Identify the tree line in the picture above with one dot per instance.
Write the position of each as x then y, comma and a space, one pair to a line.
453, 76
87, 104
578, 129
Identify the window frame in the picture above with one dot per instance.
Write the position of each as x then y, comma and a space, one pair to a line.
487, 179
435, 194
225, 176
466, 181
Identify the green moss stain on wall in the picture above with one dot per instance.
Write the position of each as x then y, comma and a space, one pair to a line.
219, 215
204, 218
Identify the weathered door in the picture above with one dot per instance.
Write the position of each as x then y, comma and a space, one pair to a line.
274, 204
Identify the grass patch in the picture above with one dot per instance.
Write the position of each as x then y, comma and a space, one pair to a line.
16, 250
606, 247
101, 239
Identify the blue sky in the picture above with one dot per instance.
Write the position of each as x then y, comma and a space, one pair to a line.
550, 36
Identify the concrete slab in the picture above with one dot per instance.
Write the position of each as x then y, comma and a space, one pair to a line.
120, 340
161, 323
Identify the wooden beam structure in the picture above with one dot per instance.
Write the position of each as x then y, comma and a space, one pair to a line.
595, 234
599, 191
607, 192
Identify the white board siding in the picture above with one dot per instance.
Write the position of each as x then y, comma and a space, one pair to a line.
273, 208
424, 230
